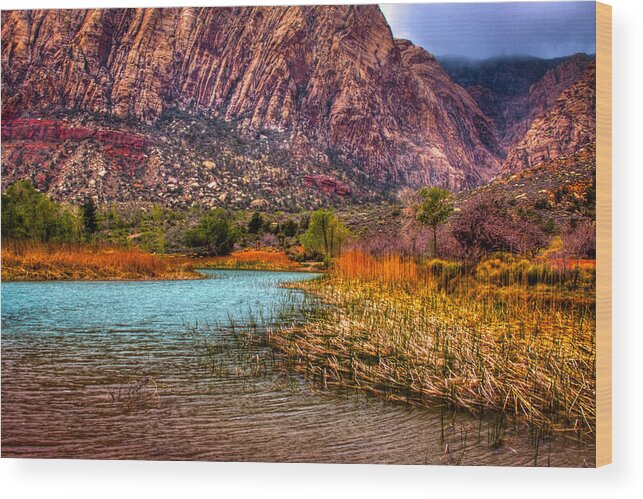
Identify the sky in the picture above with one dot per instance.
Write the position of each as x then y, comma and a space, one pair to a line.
483, 30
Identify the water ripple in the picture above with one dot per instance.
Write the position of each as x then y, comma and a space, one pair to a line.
110, 371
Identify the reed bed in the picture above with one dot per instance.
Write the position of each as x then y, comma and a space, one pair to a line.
36, 262
518, 338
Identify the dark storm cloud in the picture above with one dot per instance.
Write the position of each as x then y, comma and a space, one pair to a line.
482, 30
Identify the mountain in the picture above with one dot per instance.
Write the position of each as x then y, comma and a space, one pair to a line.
223, 105
514, 91
567, 126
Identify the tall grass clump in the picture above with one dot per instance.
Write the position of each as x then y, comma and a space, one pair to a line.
504, 334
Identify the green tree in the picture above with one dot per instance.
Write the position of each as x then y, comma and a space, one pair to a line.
214, 233
281, 237
434, 209
28, 215
256, 223
325, 234
119, 236
152, 227
153, 240
112, 220
88, 214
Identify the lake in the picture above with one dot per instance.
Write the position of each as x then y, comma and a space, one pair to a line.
181, 370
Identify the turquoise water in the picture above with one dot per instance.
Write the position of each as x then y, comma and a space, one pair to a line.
155, 370
142, 308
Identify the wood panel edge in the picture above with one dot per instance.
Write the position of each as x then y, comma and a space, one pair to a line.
603, 234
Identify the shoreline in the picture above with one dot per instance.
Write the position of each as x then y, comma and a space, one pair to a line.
42, 263
300, 270
171, 276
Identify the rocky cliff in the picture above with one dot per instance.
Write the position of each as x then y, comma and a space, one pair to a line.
330, 82
542, 95
567, 126
505, 75
513, 92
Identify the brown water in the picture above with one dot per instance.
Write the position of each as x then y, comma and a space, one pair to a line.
141, 371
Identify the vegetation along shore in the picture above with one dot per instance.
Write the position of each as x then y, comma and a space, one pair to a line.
475, 302
507, 335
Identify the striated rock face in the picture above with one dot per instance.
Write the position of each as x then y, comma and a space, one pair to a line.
331, 78
565, 128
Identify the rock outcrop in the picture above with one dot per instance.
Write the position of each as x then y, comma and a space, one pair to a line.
327, 185
542, 95
331, 79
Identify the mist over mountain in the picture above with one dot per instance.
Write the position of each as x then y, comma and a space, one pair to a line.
511, 75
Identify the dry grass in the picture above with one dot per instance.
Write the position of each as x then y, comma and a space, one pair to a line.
520, 340
37, 262
249, 259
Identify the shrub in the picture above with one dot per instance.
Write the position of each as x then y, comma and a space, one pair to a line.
290, 228
542, 204
503, 269
549, 227
580, 242
269, 239
256, 223
444, 269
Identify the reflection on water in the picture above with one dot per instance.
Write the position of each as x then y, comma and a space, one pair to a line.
144, 370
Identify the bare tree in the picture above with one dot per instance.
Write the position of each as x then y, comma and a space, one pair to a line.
486, 224
580, 242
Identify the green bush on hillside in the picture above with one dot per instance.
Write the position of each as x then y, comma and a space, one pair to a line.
28, 215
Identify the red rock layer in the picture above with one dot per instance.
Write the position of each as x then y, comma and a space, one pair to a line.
115, 143
326, 184
55, 131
